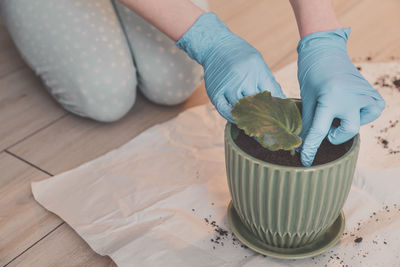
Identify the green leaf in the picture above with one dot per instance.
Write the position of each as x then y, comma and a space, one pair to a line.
275, 122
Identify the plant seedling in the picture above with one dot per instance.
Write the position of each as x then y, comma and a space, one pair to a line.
275, 122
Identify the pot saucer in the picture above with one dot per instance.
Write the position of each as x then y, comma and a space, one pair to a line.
320, 245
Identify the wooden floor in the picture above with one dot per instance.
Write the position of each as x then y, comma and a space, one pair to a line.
39, 139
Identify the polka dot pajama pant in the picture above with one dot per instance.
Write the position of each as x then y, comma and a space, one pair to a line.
92, 55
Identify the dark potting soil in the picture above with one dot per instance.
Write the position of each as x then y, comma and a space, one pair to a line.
326, 152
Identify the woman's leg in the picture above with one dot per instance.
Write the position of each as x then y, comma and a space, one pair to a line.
78, 49
166, 75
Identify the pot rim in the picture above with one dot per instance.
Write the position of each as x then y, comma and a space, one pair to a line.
354, 146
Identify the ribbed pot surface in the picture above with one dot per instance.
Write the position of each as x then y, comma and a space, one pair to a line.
287, 206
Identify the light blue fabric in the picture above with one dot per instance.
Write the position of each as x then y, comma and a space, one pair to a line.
166, 75
91, 63
332, 87
232, 67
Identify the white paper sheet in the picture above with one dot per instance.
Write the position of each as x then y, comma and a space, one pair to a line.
148, 202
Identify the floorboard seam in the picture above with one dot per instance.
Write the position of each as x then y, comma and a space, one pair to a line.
27, 162
43, 237
36, 131
3, 75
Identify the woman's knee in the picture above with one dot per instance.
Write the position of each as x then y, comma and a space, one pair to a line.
172, 82
104, 99
88, 70
112, 111
166, 74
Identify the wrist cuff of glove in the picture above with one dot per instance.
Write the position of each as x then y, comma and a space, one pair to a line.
336, 38
205, 33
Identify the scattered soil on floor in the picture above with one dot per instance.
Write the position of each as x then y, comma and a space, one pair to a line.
221, 236
390, 81
392, 124
396, 83
384, 142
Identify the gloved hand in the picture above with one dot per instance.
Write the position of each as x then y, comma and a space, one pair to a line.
332, 87
232, 67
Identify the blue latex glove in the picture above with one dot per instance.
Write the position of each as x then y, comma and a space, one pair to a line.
332, 87
232, 67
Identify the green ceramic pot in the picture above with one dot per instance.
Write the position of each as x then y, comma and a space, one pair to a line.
287, 207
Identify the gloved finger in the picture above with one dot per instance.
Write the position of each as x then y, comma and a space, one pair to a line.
349, 127
370, 112
307, 115
232, 96
381, 103
377, 97
268, 83
224, 108
319, 129
250, 91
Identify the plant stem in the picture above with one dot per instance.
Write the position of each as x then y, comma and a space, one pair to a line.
292, 152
